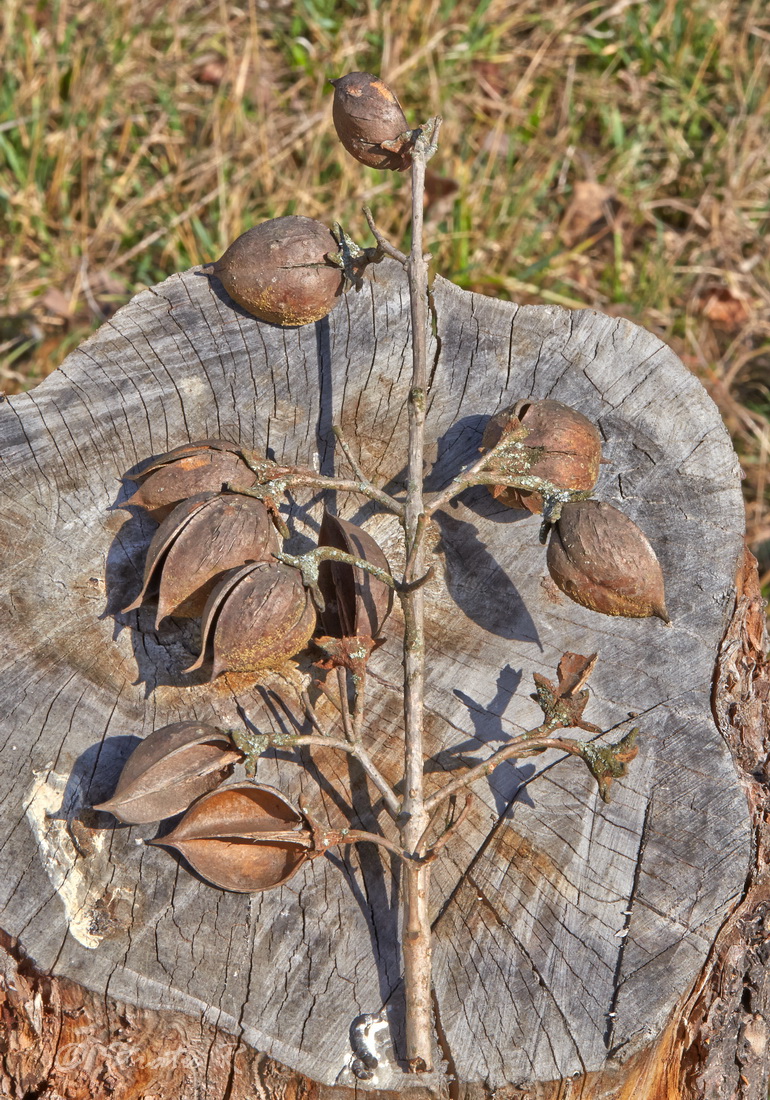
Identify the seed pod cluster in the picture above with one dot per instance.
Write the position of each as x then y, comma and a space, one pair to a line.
213, 555
596, 555
369, 121
243, 837
600, 558
280, 273
565, 447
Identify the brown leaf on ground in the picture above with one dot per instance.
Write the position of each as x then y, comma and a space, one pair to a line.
57, 302
493, 78
594, 209
212, 72
724, 309
439, 187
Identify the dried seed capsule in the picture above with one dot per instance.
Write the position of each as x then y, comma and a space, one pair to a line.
602, 560
256, 618
367, 114
245, 837
279, 272
357, 604
200, 467
169, 770
161, 540
570, 448
196, 544
184, 450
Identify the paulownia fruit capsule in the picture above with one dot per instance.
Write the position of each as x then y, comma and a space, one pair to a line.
198, 467
278, 271
245, 837
197, 543
169, 769
256, 618
571, 448
367, 113
357, 603
600, 558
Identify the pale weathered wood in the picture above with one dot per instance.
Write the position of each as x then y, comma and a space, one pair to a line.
61, 1040
566, 930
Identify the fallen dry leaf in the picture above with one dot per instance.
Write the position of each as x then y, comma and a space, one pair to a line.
594, 209
573, 671
212, 72
439, 187
57, 302
724, 309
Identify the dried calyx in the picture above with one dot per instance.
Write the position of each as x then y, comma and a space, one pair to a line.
196, 544
370, 123
557, 443
610, 762
563, 703
202, 466
279, 271
602, 560
245, 837
256, 618
170, 769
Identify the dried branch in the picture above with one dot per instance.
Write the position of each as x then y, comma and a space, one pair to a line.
283, 478
382, 242
253, 745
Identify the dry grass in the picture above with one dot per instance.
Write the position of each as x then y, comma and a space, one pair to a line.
140, 137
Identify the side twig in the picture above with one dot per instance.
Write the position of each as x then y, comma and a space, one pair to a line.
528, 744
382, 242
283, 478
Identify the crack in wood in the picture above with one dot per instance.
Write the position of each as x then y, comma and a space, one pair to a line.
617, 979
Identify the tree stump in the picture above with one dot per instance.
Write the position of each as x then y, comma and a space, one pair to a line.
581, 949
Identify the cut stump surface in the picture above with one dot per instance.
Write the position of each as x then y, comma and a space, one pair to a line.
565, 929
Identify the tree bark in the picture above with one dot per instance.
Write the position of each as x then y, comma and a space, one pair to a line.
580, 950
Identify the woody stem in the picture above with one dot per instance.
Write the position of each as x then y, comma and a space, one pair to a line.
278, 481
342, 686
358, 836
526, 744
357, 750
359, 684
414, 818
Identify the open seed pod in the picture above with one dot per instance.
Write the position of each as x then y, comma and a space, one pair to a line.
256, 618
196, 544
571, 448
602, 560
169, 770
192, 447
357, 604
203, 466
245, 837
367, 113
279, 272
